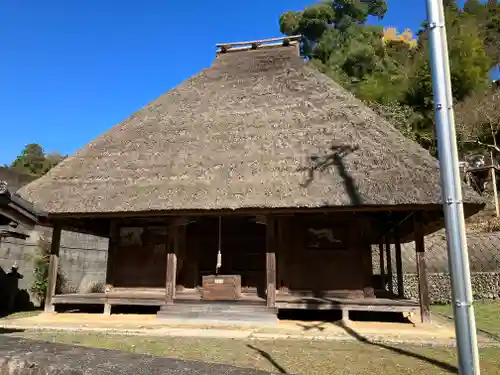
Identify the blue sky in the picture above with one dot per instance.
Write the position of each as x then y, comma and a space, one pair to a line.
72, 69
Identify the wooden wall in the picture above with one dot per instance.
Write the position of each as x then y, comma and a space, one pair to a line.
140, 257
324, 256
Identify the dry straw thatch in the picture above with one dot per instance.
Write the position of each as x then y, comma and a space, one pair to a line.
248, 132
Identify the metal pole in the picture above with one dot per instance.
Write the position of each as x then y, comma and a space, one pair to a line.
465, 327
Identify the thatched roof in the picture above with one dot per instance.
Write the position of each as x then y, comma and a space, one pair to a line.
241, 134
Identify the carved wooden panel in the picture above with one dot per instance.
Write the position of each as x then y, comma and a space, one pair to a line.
325, 235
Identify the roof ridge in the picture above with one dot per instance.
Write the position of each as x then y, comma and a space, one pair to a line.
256, 44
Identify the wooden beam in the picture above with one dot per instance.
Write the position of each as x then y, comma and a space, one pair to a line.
19, 216
114, 239
423, 287
249, 211
172, 250
389, 263
271, 261
53, 268
399, 264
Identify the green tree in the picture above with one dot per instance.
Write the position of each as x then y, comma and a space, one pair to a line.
34, 161
469, 64
469, 67
31, 160
391, 71
316, 20
487, 16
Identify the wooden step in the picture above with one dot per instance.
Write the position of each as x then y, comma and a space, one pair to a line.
219, 313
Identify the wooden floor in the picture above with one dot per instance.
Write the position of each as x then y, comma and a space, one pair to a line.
156, 297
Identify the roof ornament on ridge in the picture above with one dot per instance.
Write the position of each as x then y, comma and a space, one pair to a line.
255, 44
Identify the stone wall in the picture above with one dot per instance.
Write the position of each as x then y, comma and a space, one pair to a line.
82, 258
484, 260
485, 285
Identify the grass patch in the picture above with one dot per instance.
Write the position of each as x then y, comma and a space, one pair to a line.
287, 356
487, 315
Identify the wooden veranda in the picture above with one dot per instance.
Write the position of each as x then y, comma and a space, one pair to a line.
277, 268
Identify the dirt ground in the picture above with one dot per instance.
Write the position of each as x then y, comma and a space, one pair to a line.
296, 347
439, 332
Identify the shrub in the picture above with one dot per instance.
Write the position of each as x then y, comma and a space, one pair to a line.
41, 272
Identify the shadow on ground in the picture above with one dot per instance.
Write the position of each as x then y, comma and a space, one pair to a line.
351, 332
7, 331
269, 358
490, 335
336, 315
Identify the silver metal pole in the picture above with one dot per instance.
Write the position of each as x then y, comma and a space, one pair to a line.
451, 187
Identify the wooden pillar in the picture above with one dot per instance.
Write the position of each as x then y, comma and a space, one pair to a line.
271, 261
53, 268
114, 238
389, 263
423, 288
172, 250
399, 264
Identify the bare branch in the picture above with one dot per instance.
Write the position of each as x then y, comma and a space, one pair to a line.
487, 145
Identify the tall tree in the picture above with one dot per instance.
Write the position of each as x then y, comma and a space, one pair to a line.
487, 16
34, 161
31, 160
316, 20
390, 71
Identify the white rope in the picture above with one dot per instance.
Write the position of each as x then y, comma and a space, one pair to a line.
219, 250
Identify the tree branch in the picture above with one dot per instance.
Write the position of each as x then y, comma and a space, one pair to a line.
494, 147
